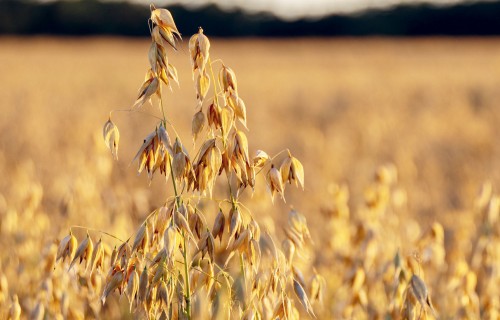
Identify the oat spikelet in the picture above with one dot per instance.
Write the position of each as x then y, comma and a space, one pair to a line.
197, 124
299, 276
148, 88
15, 309
202, 86
141, 241
199, 47
67, 247
260, 159
238, 106
155, 153
132, 287
143, 285
301, 294
160, 273
317, 285
292, 171
164, 19
254, 253
226, 120
113, 282
162, 219
288, 250
235, 222
84, 251
274, 182
228, 80
123, 253
157, 58
219, 223
171, 241
420, 292
213, 116
183, 224
38, 313
111, 137
241, 241
97, 260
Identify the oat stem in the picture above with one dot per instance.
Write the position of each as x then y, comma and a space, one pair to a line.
187, 293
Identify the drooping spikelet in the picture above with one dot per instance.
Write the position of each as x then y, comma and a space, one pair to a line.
67, 247
111, 137
84, 251
199, 46
165, 29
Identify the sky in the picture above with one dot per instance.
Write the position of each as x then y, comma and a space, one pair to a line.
292, 9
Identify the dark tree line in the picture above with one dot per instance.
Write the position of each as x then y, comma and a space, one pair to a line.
92, 17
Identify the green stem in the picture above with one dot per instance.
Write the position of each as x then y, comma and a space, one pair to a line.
187, 296
187, 293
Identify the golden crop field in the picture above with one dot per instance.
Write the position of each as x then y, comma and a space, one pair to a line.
399, 143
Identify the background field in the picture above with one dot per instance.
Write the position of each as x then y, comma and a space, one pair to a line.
344, 107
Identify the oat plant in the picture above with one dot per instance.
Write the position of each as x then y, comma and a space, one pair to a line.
180, 263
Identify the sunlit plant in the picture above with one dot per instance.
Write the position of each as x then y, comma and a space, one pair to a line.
179, 263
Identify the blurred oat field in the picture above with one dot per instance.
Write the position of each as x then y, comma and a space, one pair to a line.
348, 108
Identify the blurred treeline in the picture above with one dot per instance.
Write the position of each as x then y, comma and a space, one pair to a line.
92, 17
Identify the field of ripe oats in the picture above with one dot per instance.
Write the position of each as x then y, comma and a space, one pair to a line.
399, 143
